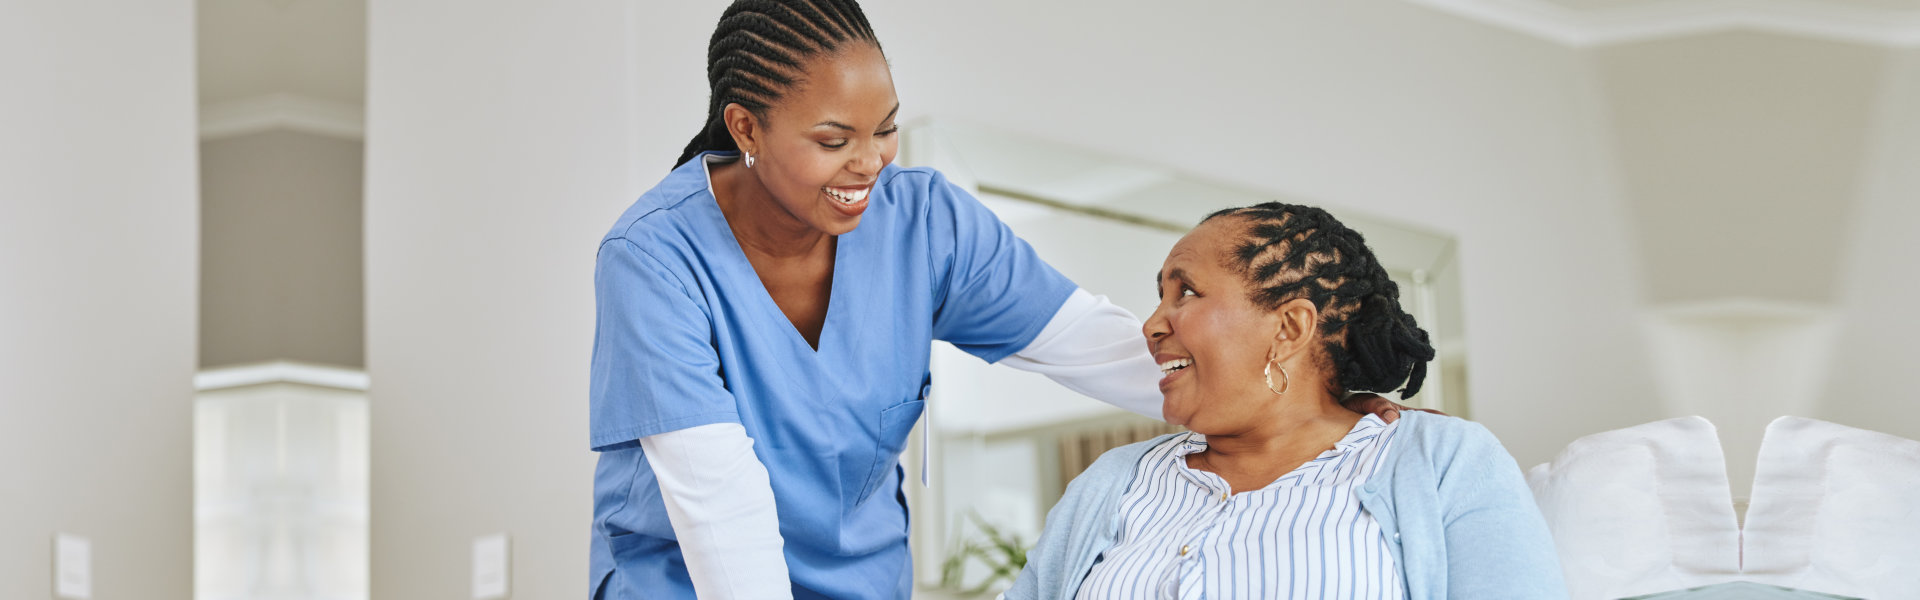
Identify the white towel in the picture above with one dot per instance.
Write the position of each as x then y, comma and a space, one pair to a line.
1835, 509
1640, 510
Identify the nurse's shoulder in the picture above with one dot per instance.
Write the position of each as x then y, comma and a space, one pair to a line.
654, 215
933, 203
913, 189
654, 251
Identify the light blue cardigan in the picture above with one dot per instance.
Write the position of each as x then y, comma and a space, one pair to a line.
1454, 506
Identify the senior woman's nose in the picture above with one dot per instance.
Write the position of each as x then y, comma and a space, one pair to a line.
1155, 327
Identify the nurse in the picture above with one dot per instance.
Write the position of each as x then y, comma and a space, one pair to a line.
765, 321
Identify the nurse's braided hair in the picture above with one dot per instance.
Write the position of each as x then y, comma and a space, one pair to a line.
1289, 251
757, 51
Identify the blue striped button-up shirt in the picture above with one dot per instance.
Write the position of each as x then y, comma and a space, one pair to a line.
1185, 535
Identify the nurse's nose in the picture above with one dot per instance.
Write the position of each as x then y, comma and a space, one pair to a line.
867, 161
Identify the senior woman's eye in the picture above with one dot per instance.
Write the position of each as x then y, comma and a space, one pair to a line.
1187, 291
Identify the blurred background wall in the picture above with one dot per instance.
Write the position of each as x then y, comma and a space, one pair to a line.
501, 145
1879, 274
99, 227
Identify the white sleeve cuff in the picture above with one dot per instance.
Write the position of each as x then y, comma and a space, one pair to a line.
720, 503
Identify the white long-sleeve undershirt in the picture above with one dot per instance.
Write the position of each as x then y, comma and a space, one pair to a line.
1094, 347
721, 505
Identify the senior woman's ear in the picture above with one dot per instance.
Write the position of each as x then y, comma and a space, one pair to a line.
1299, 325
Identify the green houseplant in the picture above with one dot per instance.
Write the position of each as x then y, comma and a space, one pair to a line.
1003, 555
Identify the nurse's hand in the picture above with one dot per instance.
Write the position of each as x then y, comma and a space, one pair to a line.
1373, 404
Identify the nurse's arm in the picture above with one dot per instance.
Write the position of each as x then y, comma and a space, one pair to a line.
720, 503
1095, 348
654, 365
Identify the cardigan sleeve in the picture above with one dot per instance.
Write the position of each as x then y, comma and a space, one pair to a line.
1041, 576
1498, 545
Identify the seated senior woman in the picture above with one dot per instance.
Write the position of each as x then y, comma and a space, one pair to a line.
1269, 315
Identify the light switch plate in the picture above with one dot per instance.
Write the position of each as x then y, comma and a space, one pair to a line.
490, 567
72, 567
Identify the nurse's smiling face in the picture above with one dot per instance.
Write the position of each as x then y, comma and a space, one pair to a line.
1210, 339
820, 147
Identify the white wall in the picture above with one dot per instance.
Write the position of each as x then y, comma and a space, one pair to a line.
1871, 382
1740, 156
98, 226
1376, 106
500, 149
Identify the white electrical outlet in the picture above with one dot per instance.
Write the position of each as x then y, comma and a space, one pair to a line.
490, 567
72, 567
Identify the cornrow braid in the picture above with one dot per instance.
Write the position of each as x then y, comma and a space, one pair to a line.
758, 51
1290, 252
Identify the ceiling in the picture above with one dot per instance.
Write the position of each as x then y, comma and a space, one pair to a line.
1602, 22
1908, 5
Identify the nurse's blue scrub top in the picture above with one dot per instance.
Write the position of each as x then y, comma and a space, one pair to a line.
687, 335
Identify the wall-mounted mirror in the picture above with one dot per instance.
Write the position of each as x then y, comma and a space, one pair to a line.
1004, 443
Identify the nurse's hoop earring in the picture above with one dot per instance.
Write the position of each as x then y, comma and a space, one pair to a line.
749, 156
1286, 381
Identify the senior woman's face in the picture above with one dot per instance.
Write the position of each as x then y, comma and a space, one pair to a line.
1211, 341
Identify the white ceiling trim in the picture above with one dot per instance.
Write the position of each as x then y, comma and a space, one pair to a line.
1600, 27
282, 112
281, 372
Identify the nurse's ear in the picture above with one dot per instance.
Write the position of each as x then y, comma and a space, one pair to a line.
743, 126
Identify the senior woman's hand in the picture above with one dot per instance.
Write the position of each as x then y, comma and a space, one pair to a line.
1373, 404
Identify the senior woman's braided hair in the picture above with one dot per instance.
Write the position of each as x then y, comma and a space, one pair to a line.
1290, 251
757, 51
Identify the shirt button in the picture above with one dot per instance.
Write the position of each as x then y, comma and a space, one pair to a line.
1183, 550
1396, 536
1223, 496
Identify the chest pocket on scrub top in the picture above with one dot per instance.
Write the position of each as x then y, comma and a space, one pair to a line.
895, 423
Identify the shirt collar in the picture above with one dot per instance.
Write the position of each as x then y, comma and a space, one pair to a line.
1363, 432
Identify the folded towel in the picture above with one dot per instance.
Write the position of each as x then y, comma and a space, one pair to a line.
1640, 510
1835, 509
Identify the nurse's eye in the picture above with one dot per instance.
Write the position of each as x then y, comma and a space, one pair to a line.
890, 131
834, 144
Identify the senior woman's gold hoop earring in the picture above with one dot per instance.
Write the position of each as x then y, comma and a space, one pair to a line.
749, 160
1285, 380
